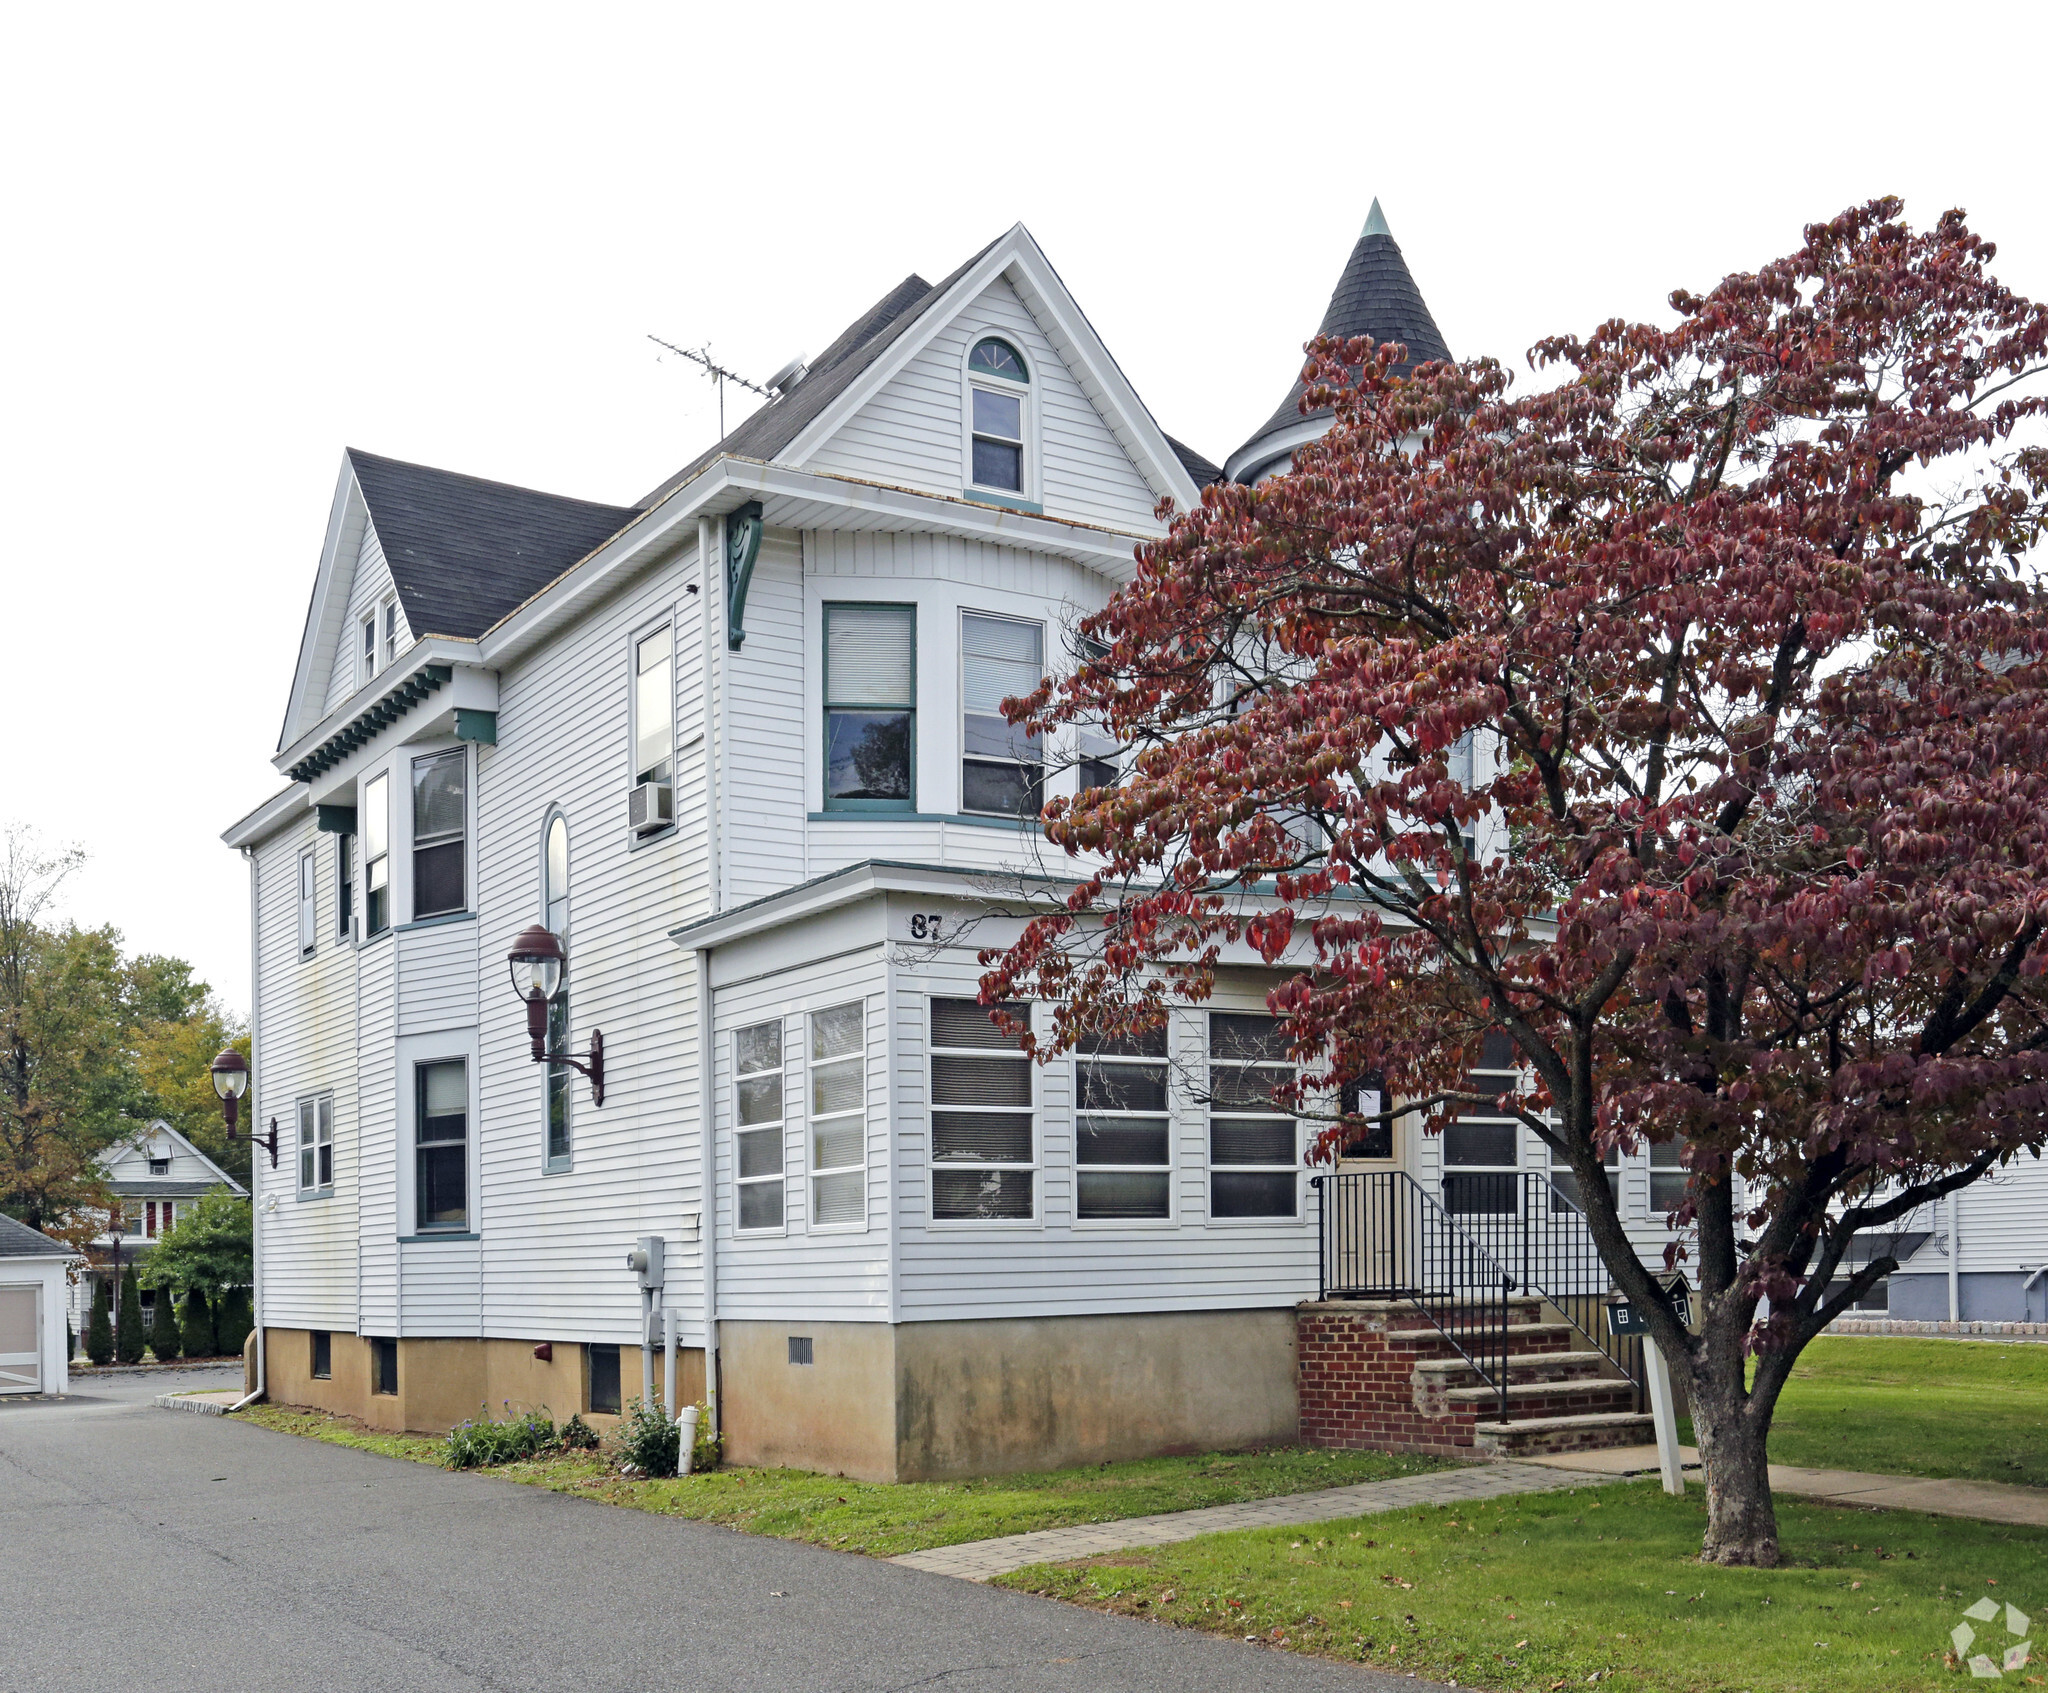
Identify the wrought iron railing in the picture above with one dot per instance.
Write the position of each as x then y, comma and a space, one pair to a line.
1383, 1237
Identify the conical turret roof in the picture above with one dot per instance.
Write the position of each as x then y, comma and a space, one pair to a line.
1376, 297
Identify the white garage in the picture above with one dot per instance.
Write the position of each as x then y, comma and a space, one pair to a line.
32, 1346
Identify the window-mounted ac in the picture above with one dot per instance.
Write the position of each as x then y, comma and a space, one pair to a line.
652, 807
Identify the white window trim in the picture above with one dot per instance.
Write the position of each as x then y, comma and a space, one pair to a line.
411, 1052
1026, 390
549, 1164
1171, 1169
380, 782
732, 1047
813, 1171
319, 1189
366, 650
1209, 1164
387, 632
1047, 765
980, 1225
1477, 1116
309, 904
425, 754
666, 623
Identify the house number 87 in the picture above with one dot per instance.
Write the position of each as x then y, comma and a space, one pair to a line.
925, 927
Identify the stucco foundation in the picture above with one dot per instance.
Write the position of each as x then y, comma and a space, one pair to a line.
927, 1401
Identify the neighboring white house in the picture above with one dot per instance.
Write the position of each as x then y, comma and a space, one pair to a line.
154, 1177
32, 1303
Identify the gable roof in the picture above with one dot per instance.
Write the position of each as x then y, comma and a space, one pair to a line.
1194, 464
18, 1240
110, 1159
464, 551
772, 427
1374, 297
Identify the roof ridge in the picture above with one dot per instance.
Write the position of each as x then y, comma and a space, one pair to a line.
385, 459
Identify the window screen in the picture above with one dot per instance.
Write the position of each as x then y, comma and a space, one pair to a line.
439, 815
870, 706
982, 1147
757, 1124
1253, 1142
1122, 1133
1002, 770
838, 1101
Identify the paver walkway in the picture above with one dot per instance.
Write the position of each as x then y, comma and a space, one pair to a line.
977, 1560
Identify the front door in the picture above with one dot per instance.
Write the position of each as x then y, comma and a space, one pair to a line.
1367, 1240
21, 1358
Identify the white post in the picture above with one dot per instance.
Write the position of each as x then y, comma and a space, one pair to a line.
668, 1363
1955, 1261
1664, 1413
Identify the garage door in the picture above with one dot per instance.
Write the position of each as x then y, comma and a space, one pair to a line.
20, 1362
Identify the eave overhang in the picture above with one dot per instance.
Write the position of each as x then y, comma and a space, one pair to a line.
440, 667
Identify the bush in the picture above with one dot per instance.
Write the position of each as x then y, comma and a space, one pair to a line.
710, 1448
231, 1326
646, 1442
576, 1435
163, 1328
484, 1440
129, 1335
99, 1329
197, 1326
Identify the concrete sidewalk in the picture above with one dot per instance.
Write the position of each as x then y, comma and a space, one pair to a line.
977, 1560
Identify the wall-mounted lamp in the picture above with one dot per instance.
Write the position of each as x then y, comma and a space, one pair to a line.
230, 1072
538, 965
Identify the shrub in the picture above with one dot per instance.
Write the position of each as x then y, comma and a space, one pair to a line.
129, 1335
231, 1325
197, 1326
710, 1448
646, 1442
484, 1440
99, 1329
163, 1328
576, 1435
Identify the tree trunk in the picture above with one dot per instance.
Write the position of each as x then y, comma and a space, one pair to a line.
1742, 1521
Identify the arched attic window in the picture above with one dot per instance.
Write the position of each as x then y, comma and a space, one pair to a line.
999, 393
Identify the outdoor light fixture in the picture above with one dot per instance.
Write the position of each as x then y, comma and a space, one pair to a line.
230, 1072
538, 965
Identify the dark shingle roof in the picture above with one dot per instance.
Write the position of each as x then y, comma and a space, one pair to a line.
767, 431
18, 1240
463, 551
1194, 464
1374, 297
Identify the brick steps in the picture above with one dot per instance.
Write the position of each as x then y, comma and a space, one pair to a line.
1522, 1366
1536, 1400
1582, 1433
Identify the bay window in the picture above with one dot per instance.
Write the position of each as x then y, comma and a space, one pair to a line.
870, 707
1002, 769
439, 818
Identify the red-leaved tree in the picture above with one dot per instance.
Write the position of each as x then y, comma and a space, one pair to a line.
1740, 626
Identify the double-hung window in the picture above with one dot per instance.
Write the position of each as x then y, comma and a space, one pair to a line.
316, 1145
367, 648
870, 707
1482, 1148
998, 392
344, 886
1667, 1176
309, 933
1002, 769
757, 1060
654, 707
839, 1123
1254, 1144
441, 1144
1122, 1132
983, 1148
376, 820
390, 643
555, 913
439, 813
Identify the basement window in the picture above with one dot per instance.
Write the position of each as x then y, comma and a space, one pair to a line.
983, 1150
323, 1355
601, 1380
383, 1366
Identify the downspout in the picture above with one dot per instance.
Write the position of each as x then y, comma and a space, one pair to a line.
1955, 1255
708, 1195
255, 1109
711, 559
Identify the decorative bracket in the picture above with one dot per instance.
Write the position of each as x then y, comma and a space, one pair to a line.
742, 548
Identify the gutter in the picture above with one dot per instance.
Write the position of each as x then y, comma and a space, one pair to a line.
255, 1181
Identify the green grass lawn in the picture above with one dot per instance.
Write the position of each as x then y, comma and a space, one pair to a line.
884, 1519
1917, 1407
1548, 1591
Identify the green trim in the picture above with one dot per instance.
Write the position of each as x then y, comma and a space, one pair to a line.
336, 819
743, 530
371, 721
981, 496
478, 726
1022, 378
845, 809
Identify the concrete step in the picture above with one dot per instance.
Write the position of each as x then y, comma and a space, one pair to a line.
1586, 1433
1522, 1366
1520, 1338
1533, 1400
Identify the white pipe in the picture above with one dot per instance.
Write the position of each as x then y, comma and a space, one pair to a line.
686, 1442
668, 1362
255, 1181
647, 1348
1955, 1255
707, 1168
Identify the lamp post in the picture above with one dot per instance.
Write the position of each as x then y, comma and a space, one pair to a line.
230, 1072
114, 1298
539, 963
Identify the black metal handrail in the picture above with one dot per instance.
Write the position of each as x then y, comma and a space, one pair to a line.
1383, 1237
1559, 1260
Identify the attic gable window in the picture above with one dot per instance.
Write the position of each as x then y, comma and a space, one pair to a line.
998, 395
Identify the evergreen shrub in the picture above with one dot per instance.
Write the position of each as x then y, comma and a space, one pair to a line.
129, 1335
99, 1328
197, 1326
231, 1324
164, 1339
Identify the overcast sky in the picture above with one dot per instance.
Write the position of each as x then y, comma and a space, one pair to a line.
241, 239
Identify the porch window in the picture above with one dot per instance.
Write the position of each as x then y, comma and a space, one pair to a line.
1122, 1133
441, 1144
1002, 769
870, 707
839, 1132
1482, 1149
983, 1149
439, 818
376, 818
1254, 1145
757, 1125
316, 1145
309, 933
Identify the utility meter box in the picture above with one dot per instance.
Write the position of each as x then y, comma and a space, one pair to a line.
645, 1260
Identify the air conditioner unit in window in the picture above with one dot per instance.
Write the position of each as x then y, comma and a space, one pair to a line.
651, 807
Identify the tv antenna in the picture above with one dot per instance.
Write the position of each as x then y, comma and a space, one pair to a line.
716, 371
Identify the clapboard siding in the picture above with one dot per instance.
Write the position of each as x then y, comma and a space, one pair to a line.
912, 430
369, 583
437, 966
835, 1273
765, 728
2002, 1219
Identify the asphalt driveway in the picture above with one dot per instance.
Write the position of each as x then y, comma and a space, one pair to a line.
150, 1548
